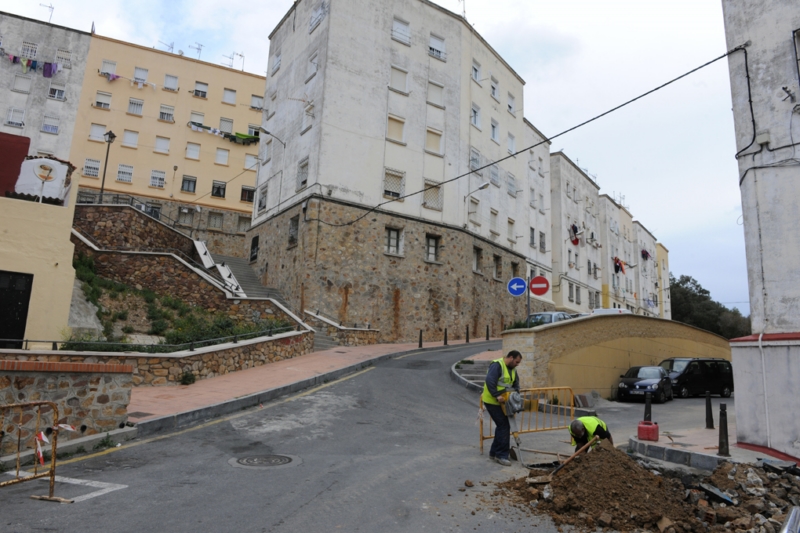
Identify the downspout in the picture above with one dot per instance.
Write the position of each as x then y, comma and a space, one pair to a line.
764, 384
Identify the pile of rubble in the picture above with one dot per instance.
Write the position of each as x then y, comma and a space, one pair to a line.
609, 489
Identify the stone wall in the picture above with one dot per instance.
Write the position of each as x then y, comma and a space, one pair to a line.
344, 272
591, 353
344, 336
166, 369
91, 397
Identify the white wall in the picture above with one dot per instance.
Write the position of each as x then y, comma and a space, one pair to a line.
646, 273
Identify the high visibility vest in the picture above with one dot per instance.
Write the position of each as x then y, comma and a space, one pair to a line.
508, 377
590, 423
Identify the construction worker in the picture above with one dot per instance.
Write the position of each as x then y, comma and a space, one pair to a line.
500, 376
585, 428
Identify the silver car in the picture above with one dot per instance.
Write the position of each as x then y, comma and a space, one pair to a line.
550, 317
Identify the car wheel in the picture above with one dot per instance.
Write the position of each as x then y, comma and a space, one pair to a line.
684, 392
661, 397
726, 392
671, 395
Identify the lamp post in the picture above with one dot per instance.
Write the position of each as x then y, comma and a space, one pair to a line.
481, 187
109, 137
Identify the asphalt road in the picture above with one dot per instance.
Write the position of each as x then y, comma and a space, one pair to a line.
383, 450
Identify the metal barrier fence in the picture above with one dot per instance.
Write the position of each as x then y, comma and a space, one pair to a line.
41, 432
545, 409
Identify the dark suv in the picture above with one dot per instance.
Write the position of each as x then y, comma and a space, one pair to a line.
695, 376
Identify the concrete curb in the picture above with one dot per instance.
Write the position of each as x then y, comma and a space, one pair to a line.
71, 447
175, 421
653, 450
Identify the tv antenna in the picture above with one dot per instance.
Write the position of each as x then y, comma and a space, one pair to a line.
463, 8
237, 54
170, 47
51, 8
199, 48
229, 58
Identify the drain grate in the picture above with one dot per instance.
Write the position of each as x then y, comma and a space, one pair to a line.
265, 461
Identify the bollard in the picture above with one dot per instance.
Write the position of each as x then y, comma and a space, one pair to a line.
487, 332
724, 450
191, 346
235, 339
709, 413
648, 415
467, 334
420, 338
55, 345
445, 336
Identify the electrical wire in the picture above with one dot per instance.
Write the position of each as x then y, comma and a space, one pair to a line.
547, 140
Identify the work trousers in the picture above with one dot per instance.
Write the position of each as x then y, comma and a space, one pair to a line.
502, 432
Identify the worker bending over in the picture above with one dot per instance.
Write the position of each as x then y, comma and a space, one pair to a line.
585, 428
500, 377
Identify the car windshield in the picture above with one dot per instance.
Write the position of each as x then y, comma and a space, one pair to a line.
678, 366
649, 372
542, 318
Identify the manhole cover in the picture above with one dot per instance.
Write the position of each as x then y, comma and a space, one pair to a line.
139, 414
265, 461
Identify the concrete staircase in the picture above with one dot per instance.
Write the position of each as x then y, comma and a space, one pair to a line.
248, 280
322, 341
475, 373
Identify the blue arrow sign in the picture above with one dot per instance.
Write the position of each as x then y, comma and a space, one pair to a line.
517, 286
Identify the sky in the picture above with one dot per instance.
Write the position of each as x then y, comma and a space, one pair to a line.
670, 154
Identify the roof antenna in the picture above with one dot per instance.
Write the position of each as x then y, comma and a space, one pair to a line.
199, 48
237, 54
463, 8
170, 47
51, 8
229, 58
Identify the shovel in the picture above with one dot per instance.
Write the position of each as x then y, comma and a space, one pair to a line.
541, 480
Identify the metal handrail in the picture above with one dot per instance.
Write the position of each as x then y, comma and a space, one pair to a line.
792, 522
128, 200
339, 322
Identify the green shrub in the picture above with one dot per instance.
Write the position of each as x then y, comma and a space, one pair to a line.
187, 378
158, 327
127, 329
121, 315
176, 304
108, 330
149, 296
517, 324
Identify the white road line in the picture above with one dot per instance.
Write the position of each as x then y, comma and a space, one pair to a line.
105, 488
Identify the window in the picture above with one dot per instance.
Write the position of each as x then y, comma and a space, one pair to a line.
395, 129
197, 118
475, 116
432, 247
474, 160
541, 242
514, 269
569, 190
597, 303
302, 174
243, 224
229, 96
591, 300
316, 17
494, 89
252, 129
497, 267
392, 244
276, 62
393, 183
262, 198
248, 194
493, 222
102, 100
215, 221
167, 113
476, 71
56, 91
399, 80
108, 67
254, 254
432, 198
433, 141
140, 75
192, 151
401, 31
533, 238
477, 256
294, 229
200, 89
125, 173
577, 294
50, 124
188, 184
64, 57
28, 50
435, 94
250, 161
512, 144
594, 270
473, 214
22, 84
495, 131
222, 156
571, 292
533, 198
312, 66
494, 175
91, 168
511, 184
162, 145
268, 150
218, 189
170, 82
135, 106
96, 132
512, 104
130, 138
436, 48
226, 125
308, 116
541, 167
512, 236
157, 178
256, 101
186, 216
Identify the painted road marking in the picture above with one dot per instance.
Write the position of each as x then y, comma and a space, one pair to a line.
105, 488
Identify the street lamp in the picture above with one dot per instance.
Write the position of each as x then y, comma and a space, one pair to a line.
481, 187
109, 137
262, 130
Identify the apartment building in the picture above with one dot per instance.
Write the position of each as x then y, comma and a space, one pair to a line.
41, 73
646, 272
662, 283
576, 259
618, 277
186, 138
402, 105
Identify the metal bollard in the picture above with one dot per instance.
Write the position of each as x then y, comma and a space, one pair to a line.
191, 346
648, 415
709, 413
487, 332
724, 450
445, 336
467, 334
420, 338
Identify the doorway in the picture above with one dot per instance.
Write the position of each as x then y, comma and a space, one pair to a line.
15, 293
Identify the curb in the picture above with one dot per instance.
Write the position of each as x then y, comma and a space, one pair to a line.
175, 421
701, 461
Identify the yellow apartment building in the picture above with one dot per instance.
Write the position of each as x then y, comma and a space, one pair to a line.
186, 139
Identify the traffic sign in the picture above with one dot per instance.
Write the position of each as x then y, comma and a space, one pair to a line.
516, 287
540, 285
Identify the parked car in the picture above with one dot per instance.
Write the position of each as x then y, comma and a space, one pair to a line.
578, 315
611, 312
694, 376
639, 380
550, 317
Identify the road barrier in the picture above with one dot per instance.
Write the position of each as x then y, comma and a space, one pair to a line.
545, 409
15, 424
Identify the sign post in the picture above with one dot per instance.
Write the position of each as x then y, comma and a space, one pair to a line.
529, 299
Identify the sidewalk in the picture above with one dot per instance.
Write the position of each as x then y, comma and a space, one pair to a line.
158, 408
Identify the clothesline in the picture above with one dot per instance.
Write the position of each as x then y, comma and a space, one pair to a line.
239, 138
48, 69
112, 77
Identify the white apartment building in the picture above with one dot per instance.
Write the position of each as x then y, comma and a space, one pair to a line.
618, 277
577, 242
646, 271
39, 100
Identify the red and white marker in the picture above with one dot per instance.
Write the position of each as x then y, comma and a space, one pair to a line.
539, 285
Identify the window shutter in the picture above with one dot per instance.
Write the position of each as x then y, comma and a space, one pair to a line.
171, 82
229, 96
399, 80
193, 151
395, 130
435, 94
433, 142
130, 138
222, 157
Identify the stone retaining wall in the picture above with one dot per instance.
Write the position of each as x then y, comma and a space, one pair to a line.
166, 369
93, 398
344, 336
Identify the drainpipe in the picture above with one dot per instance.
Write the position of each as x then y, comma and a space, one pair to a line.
764, 384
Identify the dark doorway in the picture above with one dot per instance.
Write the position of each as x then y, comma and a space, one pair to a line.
15, 295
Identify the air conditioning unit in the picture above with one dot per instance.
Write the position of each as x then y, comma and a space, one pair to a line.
140, 207
184, 210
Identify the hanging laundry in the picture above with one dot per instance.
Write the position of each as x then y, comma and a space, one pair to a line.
112, 77
25, 64
194, 128
59, 67
47, 71
34, 64
139, 85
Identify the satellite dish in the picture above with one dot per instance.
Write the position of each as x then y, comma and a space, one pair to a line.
180, 52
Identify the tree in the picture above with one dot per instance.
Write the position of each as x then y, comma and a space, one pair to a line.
692, 304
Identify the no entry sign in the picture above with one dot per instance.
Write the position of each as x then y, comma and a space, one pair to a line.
540, 285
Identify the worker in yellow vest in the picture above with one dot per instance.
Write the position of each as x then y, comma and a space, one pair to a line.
585, 428
500, 377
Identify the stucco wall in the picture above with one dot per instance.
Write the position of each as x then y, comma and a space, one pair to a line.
591, 353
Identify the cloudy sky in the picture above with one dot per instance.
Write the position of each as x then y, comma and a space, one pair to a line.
670, 154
